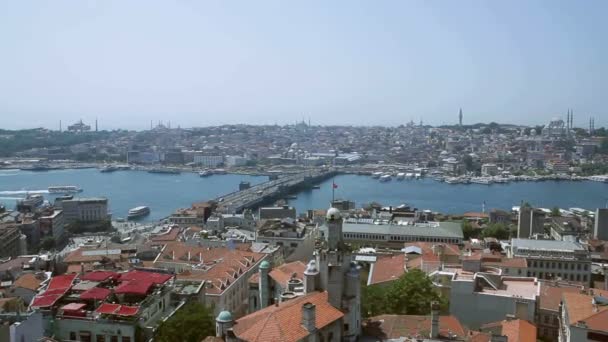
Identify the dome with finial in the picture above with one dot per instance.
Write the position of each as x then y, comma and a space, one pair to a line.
311, 268
333, 214
265, 264
224, 316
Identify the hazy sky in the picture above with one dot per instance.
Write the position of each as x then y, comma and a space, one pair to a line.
202, 63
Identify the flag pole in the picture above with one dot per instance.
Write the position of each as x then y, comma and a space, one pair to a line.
333, 191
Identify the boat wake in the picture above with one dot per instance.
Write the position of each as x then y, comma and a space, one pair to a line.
24, 192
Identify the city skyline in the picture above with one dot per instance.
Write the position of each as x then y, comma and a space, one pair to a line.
344, 63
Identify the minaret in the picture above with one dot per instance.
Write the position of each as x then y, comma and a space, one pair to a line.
263, 285
60, 130
96, 125
223, 322
311, 276
460, 117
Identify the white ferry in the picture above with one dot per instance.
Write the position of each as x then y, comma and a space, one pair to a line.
409, 175
481, 180
138, 212
64, 189
376, 174
400, 176
385, 178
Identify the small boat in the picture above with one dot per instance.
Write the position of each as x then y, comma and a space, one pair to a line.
418, 175
108, 168
452, 180
385, 178
39, 167
400, 176
481, 180
138, 212
64, 189
205, 173
376, 174
316, 187
220, 172
409, 175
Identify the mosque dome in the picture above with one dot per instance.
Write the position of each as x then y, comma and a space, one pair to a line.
224, 316
333, 214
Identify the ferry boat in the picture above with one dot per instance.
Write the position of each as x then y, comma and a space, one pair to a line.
165, 171
64, 189
481, 180
108, 168
376, 174
205, 173
39, 167
452, 180
409, 175
400, 176
385, 178
220, 172
418, 175
138, 212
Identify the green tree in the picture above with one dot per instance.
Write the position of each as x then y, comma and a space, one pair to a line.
467, 230
192, 323
411, 294
555, 212
496, 230
373, 300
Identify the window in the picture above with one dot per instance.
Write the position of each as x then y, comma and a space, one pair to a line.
578, 267
572, 266
345, 326
73, 335
578, 277
100, 338
584, 277
546, 320
114, 339
586, 267
559, 265
126, 339
519, 271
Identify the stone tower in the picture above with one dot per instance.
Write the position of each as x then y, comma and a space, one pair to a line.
264, 286
332, 271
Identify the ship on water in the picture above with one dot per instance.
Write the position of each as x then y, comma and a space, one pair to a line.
64, 189
138, 212
39, 167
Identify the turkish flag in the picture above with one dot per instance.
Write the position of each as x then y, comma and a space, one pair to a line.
335, 186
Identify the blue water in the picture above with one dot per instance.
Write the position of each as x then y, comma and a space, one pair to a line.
455, 198
165, 193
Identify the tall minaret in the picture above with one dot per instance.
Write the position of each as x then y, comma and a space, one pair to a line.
460, 117
96, 125
337, 275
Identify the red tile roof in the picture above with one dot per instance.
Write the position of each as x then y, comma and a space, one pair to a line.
137, 287
283, 322
154, 277
516, 330
283, 273
117, 309
28, 281
551, 296
396, 326
58, 286
96, 293
171, 235
387, 268
99, 275
580, 308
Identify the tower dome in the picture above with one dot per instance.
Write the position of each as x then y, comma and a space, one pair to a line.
224, 316
311, 268
265, 264
333, 214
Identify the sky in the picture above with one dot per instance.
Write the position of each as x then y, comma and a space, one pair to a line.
202, 63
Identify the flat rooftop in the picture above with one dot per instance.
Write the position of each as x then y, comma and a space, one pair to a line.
527, 288
547, 245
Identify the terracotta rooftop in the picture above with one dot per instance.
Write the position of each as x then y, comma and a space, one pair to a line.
551, 296
516, 330
475, 215
283, 273
387, 268
396, 326
78, 257
28, 281
171, 235
580, 308
220, 267
283, 322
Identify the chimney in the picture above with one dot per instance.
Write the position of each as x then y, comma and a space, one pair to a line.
200, 257
435, 319
309, 316
188, 255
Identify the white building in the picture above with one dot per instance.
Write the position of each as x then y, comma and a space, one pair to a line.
235, 161
85, 209
550, 259
480, 298
208, 160
489, 170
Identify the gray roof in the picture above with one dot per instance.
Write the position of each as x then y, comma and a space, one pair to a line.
432, 229
549, 245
